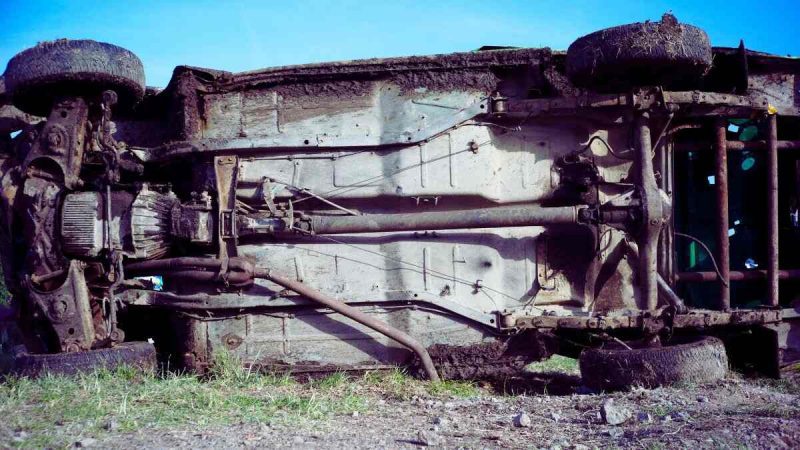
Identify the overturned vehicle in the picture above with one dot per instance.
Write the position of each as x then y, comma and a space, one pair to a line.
633, 199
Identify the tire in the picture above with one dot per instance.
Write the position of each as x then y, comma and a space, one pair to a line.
34, 77
698, 360
141, 355
664, 53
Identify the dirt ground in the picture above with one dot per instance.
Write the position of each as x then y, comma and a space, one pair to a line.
545, 409
733, 414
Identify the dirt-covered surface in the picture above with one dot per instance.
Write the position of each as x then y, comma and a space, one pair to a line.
734, 413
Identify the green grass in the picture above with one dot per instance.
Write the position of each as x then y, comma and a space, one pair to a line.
4, 294
555, 364
764, 410
398, 385
84, 405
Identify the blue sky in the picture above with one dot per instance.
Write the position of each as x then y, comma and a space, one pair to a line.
240, 36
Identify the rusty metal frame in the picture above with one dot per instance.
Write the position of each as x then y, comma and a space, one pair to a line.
644, 320
773, 274
723, 244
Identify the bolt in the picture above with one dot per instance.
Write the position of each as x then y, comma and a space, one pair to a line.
117, 336
72, 347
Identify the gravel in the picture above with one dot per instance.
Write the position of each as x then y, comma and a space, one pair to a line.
739, 413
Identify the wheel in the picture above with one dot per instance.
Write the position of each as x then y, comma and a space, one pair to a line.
664, 53
34, 77
133, 354
695, 360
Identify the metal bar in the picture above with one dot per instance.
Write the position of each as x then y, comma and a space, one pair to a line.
723, 244
355, 314
696, 319
772, 212
664, 247
735, 275
760, 145
507, 216
735, 146
652, 220
226, 172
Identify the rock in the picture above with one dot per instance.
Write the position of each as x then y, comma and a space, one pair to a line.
522, 420
644, 417
580, 447
85, 442
355, 414
111, 425
680, 416
614, 432
428, 438
298, 440
555, 416
612, 414
20, 436
439, 420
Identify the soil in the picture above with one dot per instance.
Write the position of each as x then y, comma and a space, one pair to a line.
734, 413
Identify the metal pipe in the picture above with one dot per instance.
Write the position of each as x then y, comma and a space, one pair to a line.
736, 275
505, 216
182, 268
184, 263
772, 212
723, 245
236, 272
355, 314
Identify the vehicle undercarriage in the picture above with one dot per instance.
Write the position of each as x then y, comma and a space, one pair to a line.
458, 214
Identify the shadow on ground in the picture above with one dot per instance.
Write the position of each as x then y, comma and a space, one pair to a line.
549, 383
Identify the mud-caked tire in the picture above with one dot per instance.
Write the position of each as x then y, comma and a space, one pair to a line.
694, 360
139, 355
665, 53
36, 76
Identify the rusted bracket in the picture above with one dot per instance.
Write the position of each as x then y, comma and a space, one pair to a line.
226, 171
62, 140
67, 308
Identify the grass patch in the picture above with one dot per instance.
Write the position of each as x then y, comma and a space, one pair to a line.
555, 364
86, 405
56, 411
400, 386
788, 385
764, 410
5, 296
